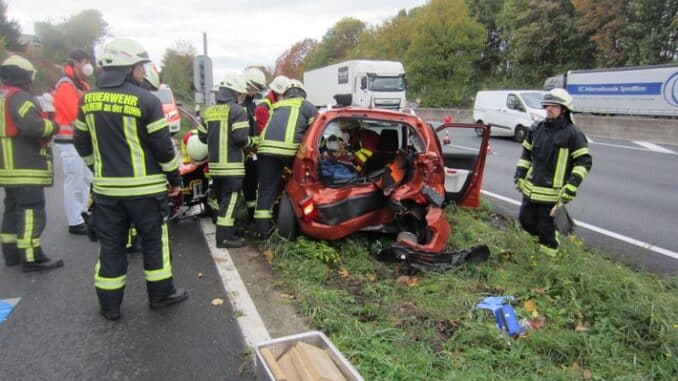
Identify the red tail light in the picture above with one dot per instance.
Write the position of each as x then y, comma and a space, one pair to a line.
308, 210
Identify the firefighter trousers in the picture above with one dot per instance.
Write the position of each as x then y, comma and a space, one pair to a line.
536, 219
249, 187
269, 171
113, 218
23, 222
227, 190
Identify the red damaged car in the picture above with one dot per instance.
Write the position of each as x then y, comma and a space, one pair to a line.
403, 186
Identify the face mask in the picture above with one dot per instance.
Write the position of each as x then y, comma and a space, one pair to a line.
87, 70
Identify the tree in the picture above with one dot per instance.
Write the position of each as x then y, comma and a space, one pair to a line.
336, 43
652, 31
80, 31
290, 62
493, 58
542, 40
603, 22
177, 69
389, 41
444, 48
10, 31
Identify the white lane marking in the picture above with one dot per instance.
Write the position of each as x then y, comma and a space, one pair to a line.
621, 146
603, 231
252, 326
654, 147
589, 140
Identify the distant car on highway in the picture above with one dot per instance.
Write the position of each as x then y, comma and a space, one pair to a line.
169, 107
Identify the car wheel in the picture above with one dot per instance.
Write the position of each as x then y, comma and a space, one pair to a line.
287, 221
520, 134
479, 131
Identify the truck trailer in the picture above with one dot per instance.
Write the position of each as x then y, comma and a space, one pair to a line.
365, 83
638, 90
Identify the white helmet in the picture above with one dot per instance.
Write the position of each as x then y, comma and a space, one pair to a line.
295, 83
123, 52
279, 84
196, 149
235, 83
558, 97
21, 63
151, 75
255, 78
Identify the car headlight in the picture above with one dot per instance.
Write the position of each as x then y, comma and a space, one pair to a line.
536, 117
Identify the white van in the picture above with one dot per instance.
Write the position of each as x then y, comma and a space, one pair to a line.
509, 112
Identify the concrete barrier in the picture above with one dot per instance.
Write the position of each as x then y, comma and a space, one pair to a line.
662, 131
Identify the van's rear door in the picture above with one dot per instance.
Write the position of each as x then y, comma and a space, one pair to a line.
464, 156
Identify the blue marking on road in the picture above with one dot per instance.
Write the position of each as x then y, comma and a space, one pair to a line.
6, 306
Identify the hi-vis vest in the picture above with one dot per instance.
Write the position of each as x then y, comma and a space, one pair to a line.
8, 127
25, 159
285, 128
227, 130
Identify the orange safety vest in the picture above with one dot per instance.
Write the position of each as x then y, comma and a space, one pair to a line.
8, 128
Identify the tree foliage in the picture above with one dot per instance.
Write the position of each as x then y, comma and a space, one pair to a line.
290, 62
389, 41
10, 31
80, 31
336, 44
443, 52
177, 69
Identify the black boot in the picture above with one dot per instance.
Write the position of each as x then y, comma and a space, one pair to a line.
43, 264
179, 295
226, 238
110, 301
111, 314
11, 254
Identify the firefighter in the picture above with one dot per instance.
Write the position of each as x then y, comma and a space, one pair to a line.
122, 134
26, 168
361, 142
256, 83
290, 118
77, 177
275, 93
226, 131
554, 162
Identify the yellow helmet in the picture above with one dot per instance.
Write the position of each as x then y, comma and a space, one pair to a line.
279, 84
21, 63
558, 97
235, 83
255, 78
196, 149
151, 75
123, 52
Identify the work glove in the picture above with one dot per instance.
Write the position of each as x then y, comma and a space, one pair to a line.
567, 193
520, 183
254, 141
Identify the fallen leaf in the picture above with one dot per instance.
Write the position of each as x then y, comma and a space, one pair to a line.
219, 259
217, 302
287, 296
268, 254
343, 273
575, 365
403, 279
586, 374
531, 307
414, 281
580, 327
371, 277
199, 275
539, 290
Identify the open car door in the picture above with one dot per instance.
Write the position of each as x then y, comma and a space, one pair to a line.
464, 155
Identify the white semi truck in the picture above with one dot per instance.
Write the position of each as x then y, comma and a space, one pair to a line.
639, 90
365, 83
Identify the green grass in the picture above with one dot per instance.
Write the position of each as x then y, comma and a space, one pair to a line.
604, 321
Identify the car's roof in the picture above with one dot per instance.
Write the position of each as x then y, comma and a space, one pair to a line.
376, 113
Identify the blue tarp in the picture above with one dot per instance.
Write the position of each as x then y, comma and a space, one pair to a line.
336, 171
6, 306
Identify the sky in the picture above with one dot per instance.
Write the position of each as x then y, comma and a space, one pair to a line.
239, 33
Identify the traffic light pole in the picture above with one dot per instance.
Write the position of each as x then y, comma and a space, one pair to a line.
206, 91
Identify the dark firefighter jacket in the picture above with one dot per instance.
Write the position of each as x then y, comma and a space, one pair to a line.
25, 159
290, 118
122, 134
555, 153
225, 129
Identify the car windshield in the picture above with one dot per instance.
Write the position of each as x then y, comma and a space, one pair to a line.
387, 83
532, 99
165, 95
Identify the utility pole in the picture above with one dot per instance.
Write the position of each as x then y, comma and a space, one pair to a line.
206, 91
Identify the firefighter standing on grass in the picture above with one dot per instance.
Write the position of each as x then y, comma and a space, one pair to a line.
554, 162
290, 118
256, 83
25, 169
226, 131
122, 134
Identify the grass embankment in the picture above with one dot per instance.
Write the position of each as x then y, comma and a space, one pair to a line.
602, 320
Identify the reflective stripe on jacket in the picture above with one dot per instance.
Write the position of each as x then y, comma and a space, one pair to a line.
554, 154
25, 158
122, 133
290, 118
